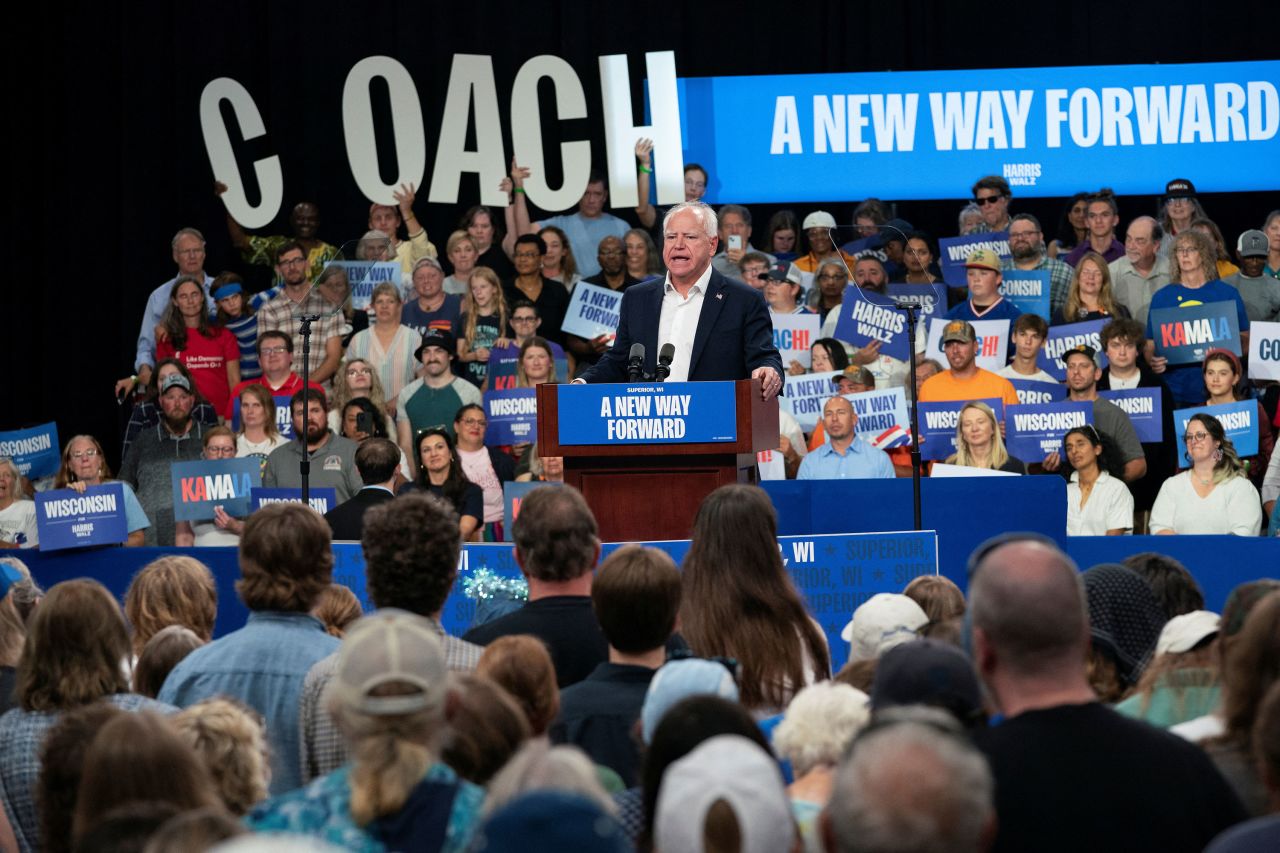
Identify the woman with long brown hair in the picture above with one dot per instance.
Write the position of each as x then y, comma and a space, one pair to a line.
739, 602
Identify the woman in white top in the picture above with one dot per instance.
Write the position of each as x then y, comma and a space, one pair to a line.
386, 345
222, 529
258, 434
1215, 495
1098, 504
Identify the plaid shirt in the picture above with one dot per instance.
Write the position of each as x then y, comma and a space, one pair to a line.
282, 314
22, 734
323, 748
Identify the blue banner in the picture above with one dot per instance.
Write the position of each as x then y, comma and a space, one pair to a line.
67, 519
200, 486
866, 317
938, 425
284, 423
1145, 411
322, 499
504, 359
1065, 337
593, 311
906, 134
1032, 432
670, 413
1028, 290
364, 276
882, 417
1183, 335
1264, 350
512, 494
805, 396
1239, 420
35, 451
932, 299
1034, 391
513, 416
954, 252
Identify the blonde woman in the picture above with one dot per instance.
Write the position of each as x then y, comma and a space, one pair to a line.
462, 253
1089, 296
482, 325
1214, 495
357, 378
979, 443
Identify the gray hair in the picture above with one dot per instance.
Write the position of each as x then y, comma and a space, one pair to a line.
726, 209
911, 786
819, 725
186, 232
538, 766
705, 215
968, 210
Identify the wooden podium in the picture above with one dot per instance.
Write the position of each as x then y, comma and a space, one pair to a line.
651, 492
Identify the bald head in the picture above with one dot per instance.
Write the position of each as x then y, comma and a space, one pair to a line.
1028, 601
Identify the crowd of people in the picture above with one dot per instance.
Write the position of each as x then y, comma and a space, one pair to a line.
627, 704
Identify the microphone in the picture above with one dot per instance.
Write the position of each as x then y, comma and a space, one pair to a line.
635, 363
665, 355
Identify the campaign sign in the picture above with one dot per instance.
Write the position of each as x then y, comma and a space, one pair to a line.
504, 359
882, 417
1264, 350
1028, 290
1239, 421
793, 334
1145, 411
35, 451
770, 465
364, 276
954, 252
284, 423
1183, 335
866, 317
668, 413
865, 247
593, 311
322, 498
993, 341
1034, 431
932, 299
512, 494
513, 416
1034, 391
200, 486
806, 395
938, 425
1068, 336
67, 519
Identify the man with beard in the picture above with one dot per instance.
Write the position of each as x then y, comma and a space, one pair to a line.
177, 438
433, 399
1083, 374
298, 299
333, 458
1026, 244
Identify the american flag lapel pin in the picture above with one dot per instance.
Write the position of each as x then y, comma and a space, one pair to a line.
720, 296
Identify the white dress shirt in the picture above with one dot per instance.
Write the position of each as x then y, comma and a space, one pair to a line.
678, 323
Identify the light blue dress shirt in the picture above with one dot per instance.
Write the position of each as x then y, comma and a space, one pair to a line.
860, 462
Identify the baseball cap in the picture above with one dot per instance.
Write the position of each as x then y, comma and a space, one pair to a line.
780, 271
958, 330
927, 672
9, 575
885, 620
1083, 349
175, 380
442, 338
680, 679
983, 259
552, 821
1253, 244
386, 647
1180, 188
857, 373
738, 771
1184, 632
818, 219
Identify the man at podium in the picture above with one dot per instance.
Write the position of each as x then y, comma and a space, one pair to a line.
719, 328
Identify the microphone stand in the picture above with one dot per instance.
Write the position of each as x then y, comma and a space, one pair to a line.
304, 466
912, 310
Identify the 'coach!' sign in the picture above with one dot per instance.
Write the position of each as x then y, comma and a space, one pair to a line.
671, 413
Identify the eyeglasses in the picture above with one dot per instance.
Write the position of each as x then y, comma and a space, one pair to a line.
274, 350
474, 422
524, 319
219, 451
984, 200
91, 453
1186, 250
1191, 437
1018, 235
289, 262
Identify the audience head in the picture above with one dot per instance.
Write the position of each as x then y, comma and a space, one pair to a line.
678, 680
937, 595
1186, 658
539, 766
171, 590
1174, 586
411, 550
75, 646
883, 621
555, 535
231, 741
486, 728
828, 354
82, 459
198, 829
1251, 667
636, 598
13, 629
61, 766
286, 558
1205, 439
336, 608
521, 665
819, 725
165, 650
912, 782
377, 460
552, 820
1124, 621
929, 672
1266, 741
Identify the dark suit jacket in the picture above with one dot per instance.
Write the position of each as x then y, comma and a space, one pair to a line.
734, 336
347, 519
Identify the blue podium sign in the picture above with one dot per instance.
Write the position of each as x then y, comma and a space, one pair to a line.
667, 413
1032, 432
1183, 335
67, 519
322, 499
200, 486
